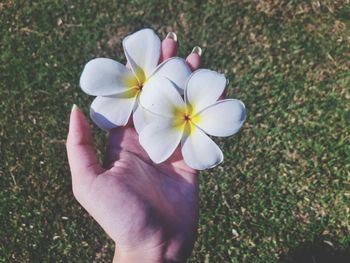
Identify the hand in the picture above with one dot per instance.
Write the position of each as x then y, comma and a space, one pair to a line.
149, 210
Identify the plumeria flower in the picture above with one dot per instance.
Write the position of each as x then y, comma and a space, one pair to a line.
189, 121
118, 87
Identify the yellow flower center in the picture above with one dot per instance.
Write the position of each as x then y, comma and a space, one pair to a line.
186, 119
139, 86
135, 84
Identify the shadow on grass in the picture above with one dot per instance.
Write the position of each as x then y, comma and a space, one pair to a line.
317, 252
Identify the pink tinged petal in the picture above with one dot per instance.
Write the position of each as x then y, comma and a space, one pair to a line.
111, 112
223, 118
176, 70
204, 88
142, 50
160, 97
160, 139
199, 151
105, 77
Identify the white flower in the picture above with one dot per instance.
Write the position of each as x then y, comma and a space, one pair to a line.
118, 88
189, 121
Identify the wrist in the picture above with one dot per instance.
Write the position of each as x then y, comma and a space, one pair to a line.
142, 256
137, 256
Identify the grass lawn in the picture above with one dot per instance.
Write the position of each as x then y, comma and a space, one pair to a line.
285, 180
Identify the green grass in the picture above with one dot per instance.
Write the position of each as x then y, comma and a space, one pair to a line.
286, 175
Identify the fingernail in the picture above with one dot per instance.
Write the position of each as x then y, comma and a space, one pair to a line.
172, 35
197, 50
75, 107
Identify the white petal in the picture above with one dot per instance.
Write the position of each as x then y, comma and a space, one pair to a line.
139, 118
204, 87
105, 77
176, 70
160, 97
111, 112
223, 118
142, 118
160, 139
200, 152
142, 50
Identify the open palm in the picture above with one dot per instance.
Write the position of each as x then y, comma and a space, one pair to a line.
149, 210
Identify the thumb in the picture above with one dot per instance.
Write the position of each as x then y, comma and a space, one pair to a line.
81, 154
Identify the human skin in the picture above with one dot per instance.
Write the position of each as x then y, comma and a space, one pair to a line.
149, 210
